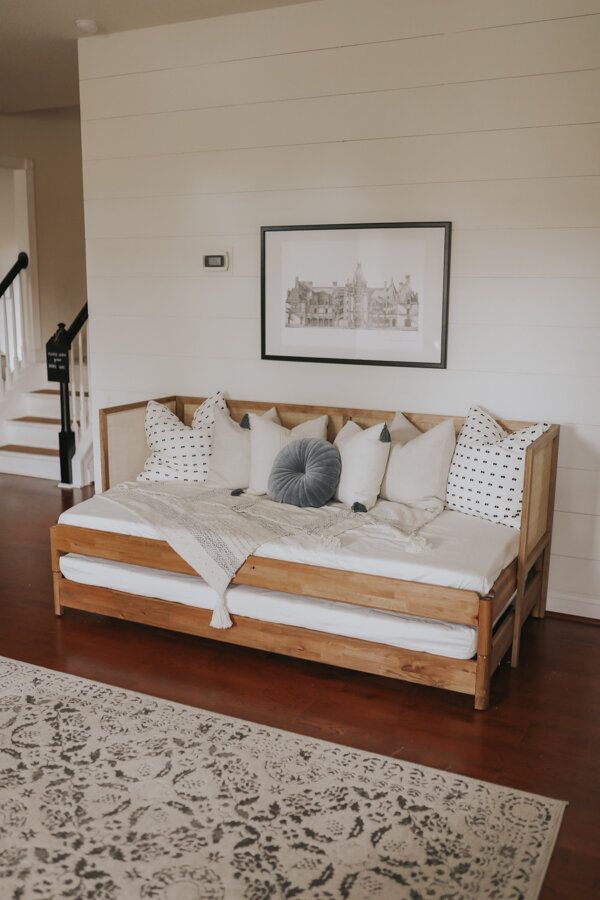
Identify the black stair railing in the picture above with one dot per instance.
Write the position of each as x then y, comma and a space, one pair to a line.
21, 263
57, 365
11, 315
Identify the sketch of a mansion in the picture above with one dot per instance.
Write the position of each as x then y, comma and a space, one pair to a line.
353, 304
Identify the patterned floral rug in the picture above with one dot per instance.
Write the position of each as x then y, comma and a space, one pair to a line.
106, 793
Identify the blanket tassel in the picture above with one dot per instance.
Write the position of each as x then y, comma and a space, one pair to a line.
220, 616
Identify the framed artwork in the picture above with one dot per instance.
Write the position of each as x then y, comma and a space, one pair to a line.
369, 294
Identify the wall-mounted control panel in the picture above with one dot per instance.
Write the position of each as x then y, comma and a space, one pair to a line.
219, 261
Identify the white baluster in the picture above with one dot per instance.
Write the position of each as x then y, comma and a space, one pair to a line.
74, 424
8, 338
87, 376
88, 411
28, 338
14, 336
5, 337
20, 320
82, 417
3, 359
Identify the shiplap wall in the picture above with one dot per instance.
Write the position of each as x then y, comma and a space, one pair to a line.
484, 112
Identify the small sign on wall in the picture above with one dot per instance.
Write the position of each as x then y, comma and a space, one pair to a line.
57, 355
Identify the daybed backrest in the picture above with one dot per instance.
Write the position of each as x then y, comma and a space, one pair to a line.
292, 414
123, 440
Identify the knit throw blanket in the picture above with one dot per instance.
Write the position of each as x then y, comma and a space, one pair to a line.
215, 532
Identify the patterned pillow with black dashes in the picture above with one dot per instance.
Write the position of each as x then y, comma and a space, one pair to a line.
179, 452
486, 474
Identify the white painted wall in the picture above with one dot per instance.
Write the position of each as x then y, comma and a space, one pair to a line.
8, 243
484, 112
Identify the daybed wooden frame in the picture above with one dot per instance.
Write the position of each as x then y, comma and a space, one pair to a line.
526, 577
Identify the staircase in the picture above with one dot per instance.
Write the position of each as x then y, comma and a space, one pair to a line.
29, 432
41, 420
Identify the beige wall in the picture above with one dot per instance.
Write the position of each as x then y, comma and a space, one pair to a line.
51, 138
8, 246
195, 135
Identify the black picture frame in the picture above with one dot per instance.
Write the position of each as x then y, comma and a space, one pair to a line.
447, 229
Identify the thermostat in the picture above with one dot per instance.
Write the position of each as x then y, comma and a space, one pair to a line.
216, 261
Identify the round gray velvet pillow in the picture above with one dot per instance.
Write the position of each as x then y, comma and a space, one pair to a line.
305, 473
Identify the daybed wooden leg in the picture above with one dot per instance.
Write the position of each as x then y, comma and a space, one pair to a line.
482, 701
57, 578
483, 672
516, 641
539, 610
519, 603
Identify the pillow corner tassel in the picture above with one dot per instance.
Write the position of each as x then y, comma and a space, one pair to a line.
220, 617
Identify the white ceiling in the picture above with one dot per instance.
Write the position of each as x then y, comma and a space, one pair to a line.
38, 40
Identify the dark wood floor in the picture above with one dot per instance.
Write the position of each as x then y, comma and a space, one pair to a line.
542, 732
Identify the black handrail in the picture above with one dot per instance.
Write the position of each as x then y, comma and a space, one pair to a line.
77, 323
57, 364
21, 263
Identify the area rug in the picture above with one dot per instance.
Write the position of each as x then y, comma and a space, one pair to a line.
111, 795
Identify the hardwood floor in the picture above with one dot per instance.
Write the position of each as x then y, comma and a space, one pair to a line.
541, 734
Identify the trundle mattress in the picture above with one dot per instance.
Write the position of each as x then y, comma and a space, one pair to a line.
332, 617
465, 552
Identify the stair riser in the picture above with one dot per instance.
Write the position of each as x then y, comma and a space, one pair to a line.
35, 466
32, 435
40, 405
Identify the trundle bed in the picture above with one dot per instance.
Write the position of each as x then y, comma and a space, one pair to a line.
445, 618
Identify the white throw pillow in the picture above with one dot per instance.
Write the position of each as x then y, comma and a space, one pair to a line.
418, 469
486, 475
230, 459
267, 438
179, 452
402, 429
204, 415
364, 455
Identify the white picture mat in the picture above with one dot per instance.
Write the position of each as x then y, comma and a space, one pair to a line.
331, 255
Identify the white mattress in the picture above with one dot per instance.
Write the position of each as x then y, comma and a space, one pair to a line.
408, 632
465, 552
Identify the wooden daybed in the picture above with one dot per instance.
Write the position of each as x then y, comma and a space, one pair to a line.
123, 449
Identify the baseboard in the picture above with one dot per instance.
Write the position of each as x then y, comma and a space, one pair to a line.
580, 605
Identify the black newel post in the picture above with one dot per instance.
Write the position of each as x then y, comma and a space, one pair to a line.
57, 365
66, 438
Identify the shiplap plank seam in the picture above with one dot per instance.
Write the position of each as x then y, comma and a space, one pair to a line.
329, 47
201, 235
351, 187
217, 356
393, 137
333, 94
